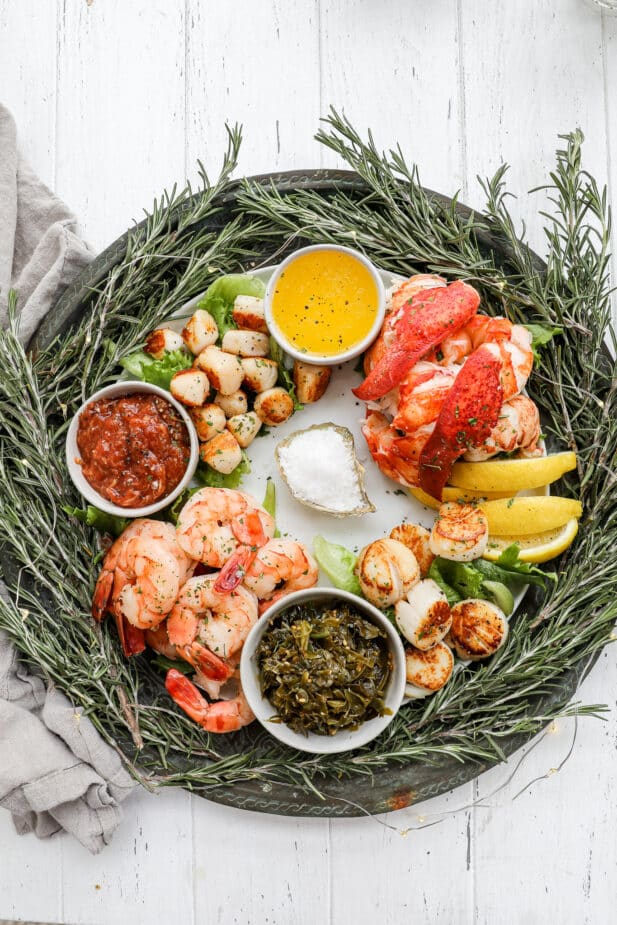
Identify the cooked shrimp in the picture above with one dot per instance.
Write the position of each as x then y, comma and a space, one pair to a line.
280, 567
222, 716
140, 579
208, 626
223, 528
518, 428
460, 532
158, 640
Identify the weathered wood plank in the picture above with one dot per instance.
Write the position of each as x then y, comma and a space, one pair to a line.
394, 67
28, 77
257, 64
120, 130
251, 867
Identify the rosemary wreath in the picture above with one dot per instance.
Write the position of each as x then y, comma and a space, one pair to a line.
51, 561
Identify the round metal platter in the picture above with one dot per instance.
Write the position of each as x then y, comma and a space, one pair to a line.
393, 786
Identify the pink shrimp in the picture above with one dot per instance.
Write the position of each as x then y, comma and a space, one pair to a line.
208, 626
224, 528
140, 579
280, 567
221, 716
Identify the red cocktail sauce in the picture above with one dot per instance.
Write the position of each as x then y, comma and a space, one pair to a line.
134, 448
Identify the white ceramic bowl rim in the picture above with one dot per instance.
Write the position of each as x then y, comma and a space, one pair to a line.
317, 358
345, 739
124, 387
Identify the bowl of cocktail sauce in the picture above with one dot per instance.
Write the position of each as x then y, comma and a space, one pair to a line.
131, 449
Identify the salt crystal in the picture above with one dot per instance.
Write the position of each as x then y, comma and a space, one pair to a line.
320, 468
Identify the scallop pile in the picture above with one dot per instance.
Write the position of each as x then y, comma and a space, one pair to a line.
393, 572
234, 389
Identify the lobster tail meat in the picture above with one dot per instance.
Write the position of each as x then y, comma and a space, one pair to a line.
467, 417
426, 319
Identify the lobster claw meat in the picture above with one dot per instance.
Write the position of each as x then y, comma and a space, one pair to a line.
468, 414
426, 319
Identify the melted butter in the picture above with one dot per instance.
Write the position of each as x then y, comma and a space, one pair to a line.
325, 302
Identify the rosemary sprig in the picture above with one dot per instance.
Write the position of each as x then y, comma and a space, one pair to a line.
51, 560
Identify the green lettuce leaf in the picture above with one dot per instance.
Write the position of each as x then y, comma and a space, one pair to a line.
509, 570
220, 296
142, 366
453, 596
213, 479
269, 503
461, 576
285, 378
338, 563
104, 523
541, 334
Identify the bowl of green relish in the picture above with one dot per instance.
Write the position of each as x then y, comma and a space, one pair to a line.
323, 670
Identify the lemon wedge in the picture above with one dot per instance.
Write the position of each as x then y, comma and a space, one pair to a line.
511, 474
535, 547
523, 515
456, 494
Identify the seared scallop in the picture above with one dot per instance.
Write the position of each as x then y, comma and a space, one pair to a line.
244, 427
246, 343
424, 616
478, 629
162, 340
234, 403
209, 420
418, 539
310, 381
460, 532
427, 671
223, 452
260, 373
386, 571
190, 386
274, 406
200, 331
248, 313
224, 370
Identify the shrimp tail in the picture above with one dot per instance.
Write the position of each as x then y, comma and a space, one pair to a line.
132, 638
212, 666
467, 416
222, 716
248, 529
102, 594
235, 569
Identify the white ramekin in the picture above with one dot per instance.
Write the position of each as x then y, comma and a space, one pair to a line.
127, 387
264, 711
319, 358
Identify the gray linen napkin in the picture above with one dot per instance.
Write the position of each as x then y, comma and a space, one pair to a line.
56, 772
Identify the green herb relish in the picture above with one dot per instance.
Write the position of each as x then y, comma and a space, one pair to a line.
324, 667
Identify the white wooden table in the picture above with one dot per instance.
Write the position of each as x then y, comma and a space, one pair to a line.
116, 99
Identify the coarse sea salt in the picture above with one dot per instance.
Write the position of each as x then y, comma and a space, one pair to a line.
320, 468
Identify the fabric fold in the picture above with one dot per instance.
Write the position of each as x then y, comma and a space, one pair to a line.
56, 771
